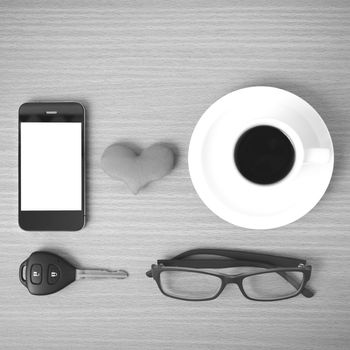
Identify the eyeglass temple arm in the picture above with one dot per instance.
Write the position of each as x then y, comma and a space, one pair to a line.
245, 255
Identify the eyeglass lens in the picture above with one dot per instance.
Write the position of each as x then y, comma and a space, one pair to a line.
189, 285
273, 285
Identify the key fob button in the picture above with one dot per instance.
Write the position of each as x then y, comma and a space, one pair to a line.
53, 274
36, 274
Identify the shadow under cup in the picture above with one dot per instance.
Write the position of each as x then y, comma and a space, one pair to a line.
264, 155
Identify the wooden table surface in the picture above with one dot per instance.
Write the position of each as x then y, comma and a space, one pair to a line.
146, 71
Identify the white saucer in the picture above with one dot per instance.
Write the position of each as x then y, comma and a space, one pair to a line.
224, 190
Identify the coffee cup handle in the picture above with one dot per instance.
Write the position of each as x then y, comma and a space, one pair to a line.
317, 155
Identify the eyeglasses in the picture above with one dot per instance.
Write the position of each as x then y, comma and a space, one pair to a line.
192, 278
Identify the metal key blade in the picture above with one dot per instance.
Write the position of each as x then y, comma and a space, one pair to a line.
100, 273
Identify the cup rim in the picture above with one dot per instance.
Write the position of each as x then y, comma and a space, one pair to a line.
292, 136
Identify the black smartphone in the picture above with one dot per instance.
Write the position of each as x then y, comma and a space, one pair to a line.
51, 170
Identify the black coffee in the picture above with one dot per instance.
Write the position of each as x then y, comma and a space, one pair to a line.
264, 155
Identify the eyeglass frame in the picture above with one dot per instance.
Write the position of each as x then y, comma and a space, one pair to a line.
273, 263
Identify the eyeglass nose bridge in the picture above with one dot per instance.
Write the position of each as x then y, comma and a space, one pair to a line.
233, 279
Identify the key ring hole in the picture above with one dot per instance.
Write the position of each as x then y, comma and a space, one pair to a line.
23, 272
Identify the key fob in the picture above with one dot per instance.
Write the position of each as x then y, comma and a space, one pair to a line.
46, 273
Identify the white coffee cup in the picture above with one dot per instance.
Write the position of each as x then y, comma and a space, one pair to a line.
226, 191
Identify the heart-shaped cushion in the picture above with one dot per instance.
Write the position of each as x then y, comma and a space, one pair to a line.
137, 170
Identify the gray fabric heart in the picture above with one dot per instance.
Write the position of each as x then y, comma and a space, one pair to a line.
137, 170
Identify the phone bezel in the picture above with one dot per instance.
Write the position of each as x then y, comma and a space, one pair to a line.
63, 220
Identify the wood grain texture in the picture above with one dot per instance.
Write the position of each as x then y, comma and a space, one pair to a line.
146, 71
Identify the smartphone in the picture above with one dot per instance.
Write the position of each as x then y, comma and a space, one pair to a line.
51, 184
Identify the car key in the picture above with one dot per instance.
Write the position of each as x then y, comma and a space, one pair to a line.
46, 273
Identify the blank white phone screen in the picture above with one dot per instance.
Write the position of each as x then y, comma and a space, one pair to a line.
51, 166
